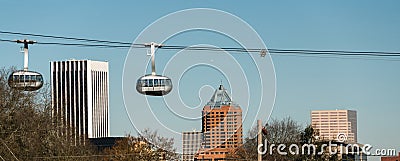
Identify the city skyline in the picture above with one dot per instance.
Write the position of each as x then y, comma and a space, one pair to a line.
303, 83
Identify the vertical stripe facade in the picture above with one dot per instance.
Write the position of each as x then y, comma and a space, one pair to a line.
80, 98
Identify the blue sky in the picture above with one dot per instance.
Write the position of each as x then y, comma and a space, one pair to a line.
303, 83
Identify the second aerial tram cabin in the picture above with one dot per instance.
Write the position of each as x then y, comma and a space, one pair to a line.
153, 84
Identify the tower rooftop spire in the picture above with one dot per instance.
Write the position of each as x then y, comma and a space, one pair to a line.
220, 97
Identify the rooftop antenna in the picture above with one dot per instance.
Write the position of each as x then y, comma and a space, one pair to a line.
220, 84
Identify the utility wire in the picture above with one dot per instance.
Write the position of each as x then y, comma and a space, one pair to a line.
118, 44
271, 51
6, 40
62, 37
89, 45
339, 57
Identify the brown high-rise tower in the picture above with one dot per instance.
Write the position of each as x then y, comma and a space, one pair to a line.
221, 127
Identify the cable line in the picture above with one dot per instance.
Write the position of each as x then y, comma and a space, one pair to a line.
62, 37
83, 42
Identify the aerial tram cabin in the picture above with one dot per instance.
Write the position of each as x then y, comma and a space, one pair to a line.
24, 79
152, 84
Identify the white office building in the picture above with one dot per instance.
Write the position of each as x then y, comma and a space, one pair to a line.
80, 99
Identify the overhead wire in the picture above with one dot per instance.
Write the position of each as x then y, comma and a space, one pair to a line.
120, 45
6, 40
63, 37
338, 57
88, 45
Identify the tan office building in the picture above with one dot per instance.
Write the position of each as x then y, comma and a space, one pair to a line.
338, 125
191, 142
